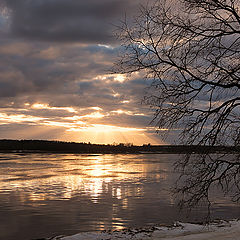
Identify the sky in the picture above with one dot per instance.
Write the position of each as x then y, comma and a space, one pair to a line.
55, 81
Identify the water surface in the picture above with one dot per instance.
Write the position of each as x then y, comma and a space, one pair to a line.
43, 195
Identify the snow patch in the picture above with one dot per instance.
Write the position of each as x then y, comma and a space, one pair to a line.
218, 230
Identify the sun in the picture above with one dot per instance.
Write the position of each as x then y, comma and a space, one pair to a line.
108, 134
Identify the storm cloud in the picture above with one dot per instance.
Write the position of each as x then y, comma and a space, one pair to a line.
91, 21
55, 81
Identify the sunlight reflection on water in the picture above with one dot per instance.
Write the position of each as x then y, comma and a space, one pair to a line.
48, 194
88, 175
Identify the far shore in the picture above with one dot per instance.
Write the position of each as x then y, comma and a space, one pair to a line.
45, 146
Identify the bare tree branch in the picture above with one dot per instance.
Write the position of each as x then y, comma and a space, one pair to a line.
191, 52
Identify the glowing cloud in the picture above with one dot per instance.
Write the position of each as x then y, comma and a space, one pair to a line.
46, 106
14, 118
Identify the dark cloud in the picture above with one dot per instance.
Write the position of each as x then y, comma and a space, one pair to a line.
89, 21
30, 68
57, 53
68, 75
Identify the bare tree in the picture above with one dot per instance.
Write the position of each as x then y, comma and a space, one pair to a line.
190, 49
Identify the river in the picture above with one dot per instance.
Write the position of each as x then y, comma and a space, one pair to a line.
43, 195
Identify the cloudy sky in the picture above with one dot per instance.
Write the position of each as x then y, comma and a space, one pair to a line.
55, 57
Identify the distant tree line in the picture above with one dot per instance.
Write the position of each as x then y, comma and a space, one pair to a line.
73, 147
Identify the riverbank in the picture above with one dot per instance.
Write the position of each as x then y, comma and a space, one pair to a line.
44, 146
217, 230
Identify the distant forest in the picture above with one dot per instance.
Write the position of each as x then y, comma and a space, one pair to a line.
73, 147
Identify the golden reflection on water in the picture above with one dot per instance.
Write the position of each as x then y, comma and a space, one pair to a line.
64, 176
38, 179
67, 192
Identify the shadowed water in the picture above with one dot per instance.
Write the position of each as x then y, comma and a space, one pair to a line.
43, 195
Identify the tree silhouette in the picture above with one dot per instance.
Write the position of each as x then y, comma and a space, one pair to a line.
190, 49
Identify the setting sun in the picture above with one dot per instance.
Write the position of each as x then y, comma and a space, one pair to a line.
112, 134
